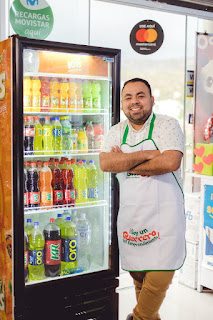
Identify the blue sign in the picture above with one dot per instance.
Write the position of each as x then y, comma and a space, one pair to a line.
208, 218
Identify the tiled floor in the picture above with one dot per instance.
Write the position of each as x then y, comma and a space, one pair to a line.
181, 302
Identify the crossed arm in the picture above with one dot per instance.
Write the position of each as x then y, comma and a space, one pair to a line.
147, 162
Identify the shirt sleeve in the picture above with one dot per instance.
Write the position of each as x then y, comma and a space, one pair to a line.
171, 137
112, 138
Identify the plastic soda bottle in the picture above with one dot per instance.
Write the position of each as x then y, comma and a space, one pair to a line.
74, 140
33, 188
45, 186
90, 135
29, 136
54, 95
87, 96
64, 87
28, 227
92, 181
69, 247
69, 189
57, 135
26, 195
66, 134
57, 186
47, 136
80, 103
38, 136
45, 94
99, 137
81, 184
36, 253
84, 243
74, 216
65, 214
72, 96
27, 93
36, 94
59, 220
82, 140
52, 260
96, 97
26, 256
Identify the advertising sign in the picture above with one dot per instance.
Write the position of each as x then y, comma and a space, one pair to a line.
146, 37
5, 182
32, 18
208, 218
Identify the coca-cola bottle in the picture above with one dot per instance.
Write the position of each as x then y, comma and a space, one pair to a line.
52, 260
26, 195
57, 186
69, 189
33, 188
29, 136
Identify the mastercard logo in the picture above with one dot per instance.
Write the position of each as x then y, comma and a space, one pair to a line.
146, 35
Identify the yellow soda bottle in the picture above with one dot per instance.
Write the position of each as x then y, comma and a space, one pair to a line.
64, 87
80, 182
72, 96
38, 136
54, 95
36, 94
27, 92
47, 136
80, 103
82, 140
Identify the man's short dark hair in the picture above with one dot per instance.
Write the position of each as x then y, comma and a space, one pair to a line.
138, 80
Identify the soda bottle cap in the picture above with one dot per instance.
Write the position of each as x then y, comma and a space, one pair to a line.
25, 163
89, 122
59, 215
91, 161
66, 211
74, 212
68, 162
56, 163
68, 218
36, 223
45, 164
57, 118
80, 162
47, 118
30, 118
63, 158
29, 220
36, 118
52, 220
39, 163
72, 160
64, 118
83, 215
84, 161
33, 164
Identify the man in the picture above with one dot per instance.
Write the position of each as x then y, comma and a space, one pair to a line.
146, 152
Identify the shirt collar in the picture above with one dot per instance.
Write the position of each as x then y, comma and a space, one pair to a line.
147, 123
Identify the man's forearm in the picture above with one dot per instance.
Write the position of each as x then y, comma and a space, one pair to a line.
164, 163
120, 162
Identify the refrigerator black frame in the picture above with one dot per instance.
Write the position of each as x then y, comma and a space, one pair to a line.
63, 285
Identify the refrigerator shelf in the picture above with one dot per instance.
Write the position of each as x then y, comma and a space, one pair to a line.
57, 113
63, 154
67, 76
58, 209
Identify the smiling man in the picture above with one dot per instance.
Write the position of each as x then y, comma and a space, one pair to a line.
146, 152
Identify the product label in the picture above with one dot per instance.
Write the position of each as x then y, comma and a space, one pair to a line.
54, 102
34, 197
36, 101
99, 142
69, 250
66, 131
82, 144
29, 132
64, 102
45, 101
84, 233
73, 103
58, 195
26, 259
38, 131
96, 103
87, 103
57, 132
46, 198
47, 132
27, 101
93, 193
69, 194
53, 252
26, 199
36, 257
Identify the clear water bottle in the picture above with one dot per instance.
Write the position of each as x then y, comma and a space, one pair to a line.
84, 243
74, 216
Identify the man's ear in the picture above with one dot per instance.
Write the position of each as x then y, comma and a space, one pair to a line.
121, 105
153, 101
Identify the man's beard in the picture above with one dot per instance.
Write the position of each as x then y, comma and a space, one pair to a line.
138, 121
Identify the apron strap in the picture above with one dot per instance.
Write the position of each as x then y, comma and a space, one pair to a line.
150, 130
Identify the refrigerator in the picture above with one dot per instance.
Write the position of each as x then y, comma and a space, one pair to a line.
88, 293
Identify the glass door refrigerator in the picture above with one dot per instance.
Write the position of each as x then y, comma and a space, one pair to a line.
59, 254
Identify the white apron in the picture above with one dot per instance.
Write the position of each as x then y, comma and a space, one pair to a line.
151, 219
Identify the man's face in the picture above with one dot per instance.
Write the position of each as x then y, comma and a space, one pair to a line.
137, 103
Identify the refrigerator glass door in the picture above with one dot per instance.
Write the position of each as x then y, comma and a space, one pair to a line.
67, 104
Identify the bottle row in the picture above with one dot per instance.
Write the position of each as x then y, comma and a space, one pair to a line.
58, 135
62, 247
43, 94
65, 183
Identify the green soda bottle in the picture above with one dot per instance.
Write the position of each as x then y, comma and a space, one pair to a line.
28, 227
38, 137
36, 253
59, 220
96, 97
87, 96
69, 234
57, 135
47, 136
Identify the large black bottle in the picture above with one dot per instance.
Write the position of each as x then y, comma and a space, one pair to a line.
33, 188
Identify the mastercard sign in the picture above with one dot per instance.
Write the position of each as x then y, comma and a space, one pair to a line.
146, 37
